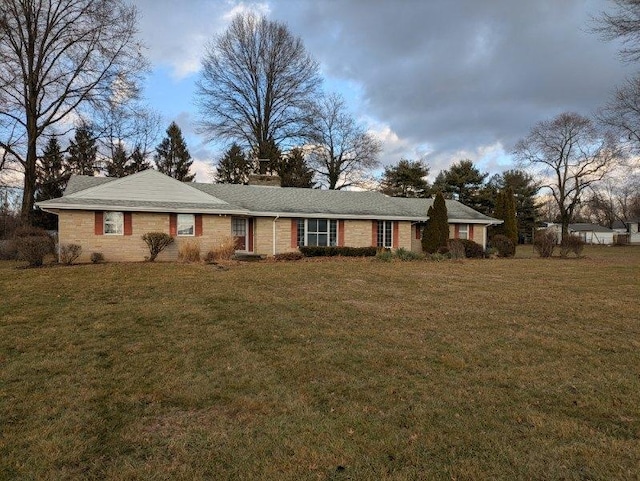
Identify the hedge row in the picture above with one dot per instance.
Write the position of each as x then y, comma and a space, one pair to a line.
317, 251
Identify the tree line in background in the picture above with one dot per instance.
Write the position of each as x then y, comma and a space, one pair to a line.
260, 90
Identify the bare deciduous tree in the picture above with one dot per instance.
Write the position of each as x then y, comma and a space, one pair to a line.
256, 84
571, 154
57, 56
343, 149
623, 25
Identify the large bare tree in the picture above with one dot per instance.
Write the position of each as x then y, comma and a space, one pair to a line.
623, 25
57, 57
570, 154
343, 149
256, 85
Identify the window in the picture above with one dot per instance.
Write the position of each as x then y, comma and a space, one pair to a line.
463, 231
317, 232
238, 227
186, 224
385, 233
113, 223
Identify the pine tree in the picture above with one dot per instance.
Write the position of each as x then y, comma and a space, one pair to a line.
498, 214
436, 231
172, 156
138, 161
463, 182
510, 220
117, 167
82, 158
233, 167
294, 171
407, 179
52, 178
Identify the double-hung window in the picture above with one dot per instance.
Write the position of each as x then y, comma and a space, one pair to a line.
385, 233
463, 231
113, 223
186, 224
317, 232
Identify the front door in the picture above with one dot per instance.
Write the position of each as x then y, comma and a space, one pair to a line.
239, 232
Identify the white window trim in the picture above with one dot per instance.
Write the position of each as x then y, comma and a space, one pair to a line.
111, 222
193, 225
384, 237
466, 231
328, 232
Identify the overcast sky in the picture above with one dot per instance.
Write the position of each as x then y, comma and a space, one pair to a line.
437, 80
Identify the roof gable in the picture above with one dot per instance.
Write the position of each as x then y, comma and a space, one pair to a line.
147, 186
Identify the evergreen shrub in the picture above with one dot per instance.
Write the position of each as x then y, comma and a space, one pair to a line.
503, 245
322, 251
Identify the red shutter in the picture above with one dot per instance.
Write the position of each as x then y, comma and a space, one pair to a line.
250, 240
198, 221
294, 233
456, 231
396, 234
173, 225
471, 231
374, 233
99, 223
341, 233
128, 227
418, 236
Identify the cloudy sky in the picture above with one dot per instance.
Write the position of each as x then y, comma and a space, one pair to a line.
437, 80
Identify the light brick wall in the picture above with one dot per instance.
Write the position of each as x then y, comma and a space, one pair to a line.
416, 244
77, 227
357, 233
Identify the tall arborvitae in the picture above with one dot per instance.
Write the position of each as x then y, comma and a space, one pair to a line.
510, 220
498, 213
294, 171
234, 167
172, 156
436, 231
52, 178
82, 157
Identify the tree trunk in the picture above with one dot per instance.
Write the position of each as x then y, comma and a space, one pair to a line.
30, 177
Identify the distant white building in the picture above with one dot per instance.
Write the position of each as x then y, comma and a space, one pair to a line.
589, 233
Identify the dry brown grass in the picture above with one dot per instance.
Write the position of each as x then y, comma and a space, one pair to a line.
521, 368
223, 251
189, 251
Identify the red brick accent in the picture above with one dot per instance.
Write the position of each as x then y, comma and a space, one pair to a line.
340, 233
374, 233
294, 233
173, 225
128, 227
470, 231
250, 234
456, 231
198, 226
99, 223
396, 234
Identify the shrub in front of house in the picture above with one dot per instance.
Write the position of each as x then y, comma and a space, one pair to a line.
455, 249
544, 242
571, 243
288, 256
189, 251
322, 251
407, 255
223, 251
69, 253
156, 242
472, 250
8, 251
384, 255
97, 257
503, 245
33, 245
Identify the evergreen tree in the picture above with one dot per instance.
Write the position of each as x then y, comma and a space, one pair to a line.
117, 167
82, 158
436, 231
294, 171
233, 167
52, 178
498, 213
510, 219
463, 182
172, 156
525, 189
407, 179
138, 162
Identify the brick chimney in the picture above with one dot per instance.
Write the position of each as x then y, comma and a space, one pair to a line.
263, 178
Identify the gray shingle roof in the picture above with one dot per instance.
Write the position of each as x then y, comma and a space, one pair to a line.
586, 227
262, 200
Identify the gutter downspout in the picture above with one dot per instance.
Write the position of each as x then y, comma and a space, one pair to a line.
274, 234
